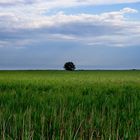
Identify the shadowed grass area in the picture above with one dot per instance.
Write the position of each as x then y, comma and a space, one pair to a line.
78, 105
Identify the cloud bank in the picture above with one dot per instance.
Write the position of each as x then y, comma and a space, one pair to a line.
24, 22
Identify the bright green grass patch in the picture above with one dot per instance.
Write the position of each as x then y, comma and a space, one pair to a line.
80, 105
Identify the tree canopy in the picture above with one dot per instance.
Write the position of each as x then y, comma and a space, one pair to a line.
69, 66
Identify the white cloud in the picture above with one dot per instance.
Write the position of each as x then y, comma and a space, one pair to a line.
27, 19
66, 3
31, 20
128, 10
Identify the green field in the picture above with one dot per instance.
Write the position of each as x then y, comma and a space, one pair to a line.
61, 105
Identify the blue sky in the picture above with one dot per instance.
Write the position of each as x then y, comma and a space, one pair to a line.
40, 34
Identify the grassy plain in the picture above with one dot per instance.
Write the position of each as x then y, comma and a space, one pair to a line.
61, 105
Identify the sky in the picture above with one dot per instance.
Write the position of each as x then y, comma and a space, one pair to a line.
94, 34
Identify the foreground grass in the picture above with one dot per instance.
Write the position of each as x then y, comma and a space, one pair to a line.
60, 105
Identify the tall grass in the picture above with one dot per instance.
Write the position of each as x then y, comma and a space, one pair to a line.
60, 105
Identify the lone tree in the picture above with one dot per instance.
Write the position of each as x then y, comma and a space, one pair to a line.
69, 66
